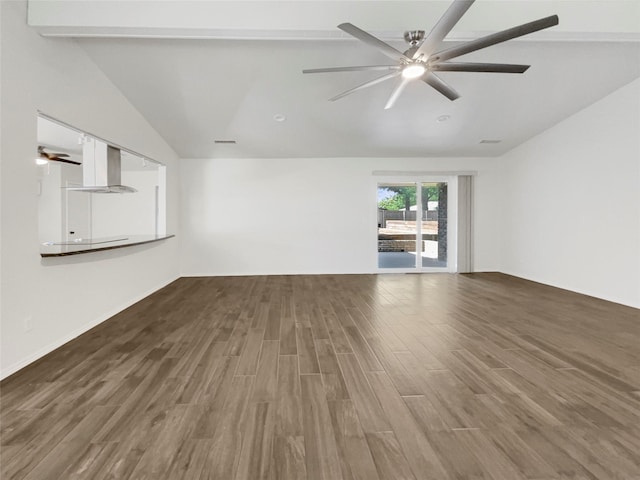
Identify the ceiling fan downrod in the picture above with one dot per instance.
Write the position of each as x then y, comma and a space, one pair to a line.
414, 37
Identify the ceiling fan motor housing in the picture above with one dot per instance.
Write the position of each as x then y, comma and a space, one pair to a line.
414, 37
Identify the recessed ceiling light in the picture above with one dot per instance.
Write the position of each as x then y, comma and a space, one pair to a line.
443, 118
278, 117
490, 141
228, 142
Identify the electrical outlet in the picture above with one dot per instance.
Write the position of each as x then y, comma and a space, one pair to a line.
28, 324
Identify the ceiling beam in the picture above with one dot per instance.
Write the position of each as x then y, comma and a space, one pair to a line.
309, 19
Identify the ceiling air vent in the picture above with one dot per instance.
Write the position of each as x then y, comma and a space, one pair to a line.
490, 141
225, 142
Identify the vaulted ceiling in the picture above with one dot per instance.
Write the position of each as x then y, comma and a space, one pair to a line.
206, 71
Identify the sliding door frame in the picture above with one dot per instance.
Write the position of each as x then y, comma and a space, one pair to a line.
452, 219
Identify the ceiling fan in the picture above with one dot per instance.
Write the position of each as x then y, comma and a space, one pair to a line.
55, 157
425, 56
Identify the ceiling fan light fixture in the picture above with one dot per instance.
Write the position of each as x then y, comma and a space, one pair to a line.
413, 70
41, 161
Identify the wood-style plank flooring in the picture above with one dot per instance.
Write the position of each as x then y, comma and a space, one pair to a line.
354, 377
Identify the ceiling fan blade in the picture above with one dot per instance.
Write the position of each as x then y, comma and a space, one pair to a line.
369, 39
353, 69
479, 67
437, 34
50, 154
365, 85
495, 38
63, 160
396, 93
437, 83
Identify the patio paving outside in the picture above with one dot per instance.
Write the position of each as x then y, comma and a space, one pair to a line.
408, 259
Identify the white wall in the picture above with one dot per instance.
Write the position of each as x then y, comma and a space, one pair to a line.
63, 297
572, 202
298, 216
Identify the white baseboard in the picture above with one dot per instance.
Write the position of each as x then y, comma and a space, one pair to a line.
5, 372
544, 281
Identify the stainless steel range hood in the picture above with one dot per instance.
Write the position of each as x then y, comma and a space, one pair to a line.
101, 169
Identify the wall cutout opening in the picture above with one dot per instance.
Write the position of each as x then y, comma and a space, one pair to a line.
93, 194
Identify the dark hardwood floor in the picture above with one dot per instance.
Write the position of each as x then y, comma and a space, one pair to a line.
354, 377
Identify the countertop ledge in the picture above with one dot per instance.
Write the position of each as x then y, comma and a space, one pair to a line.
98, 245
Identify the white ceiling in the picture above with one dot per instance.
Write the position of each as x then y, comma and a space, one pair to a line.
194, 91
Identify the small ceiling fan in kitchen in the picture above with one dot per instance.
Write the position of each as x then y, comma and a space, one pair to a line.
426, 55
55, 157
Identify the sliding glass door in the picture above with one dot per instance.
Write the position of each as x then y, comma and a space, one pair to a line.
397, 226
413, 231
434, 224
